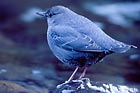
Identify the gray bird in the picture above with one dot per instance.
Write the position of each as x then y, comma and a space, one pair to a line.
77, 41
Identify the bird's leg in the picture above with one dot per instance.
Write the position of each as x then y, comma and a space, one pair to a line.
71, 77
83, 74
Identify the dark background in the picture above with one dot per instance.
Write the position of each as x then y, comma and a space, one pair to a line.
26, 58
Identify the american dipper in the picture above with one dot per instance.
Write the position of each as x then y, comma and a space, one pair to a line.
77, 41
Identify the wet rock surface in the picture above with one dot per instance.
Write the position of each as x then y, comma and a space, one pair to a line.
11, 87
75, 86
84, 85
26, 62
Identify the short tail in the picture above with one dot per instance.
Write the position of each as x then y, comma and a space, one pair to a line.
127, 47
132, 46
124, 48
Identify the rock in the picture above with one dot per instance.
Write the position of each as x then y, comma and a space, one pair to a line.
11, 87
86, 86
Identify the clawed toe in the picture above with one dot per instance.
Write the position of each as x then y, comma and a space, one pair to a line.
63, 84
70, 83
74, 84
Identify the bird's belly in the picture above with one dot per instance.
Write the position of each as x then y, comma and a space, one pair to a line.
73, 58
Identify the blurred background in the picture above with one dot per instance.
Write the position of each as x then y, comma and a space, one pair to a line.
25, 57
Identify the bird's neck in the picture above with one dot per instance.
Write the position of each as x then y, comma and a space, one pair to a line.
62, 19
51, 22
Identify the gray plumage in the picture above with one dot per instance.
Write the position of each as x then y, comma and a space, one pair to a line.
75, 40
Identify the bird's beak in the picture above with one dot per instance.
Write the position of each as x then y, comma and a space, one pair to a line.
43, 14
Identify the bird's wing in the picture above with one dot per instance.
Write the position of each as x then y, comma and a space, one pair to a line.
68, 38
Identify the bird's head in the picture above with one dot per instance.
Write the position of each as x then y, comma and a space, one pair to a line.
54, 11
57, 15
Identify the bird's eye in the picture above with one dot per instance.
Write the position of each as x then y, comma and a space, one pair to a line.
49, 13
